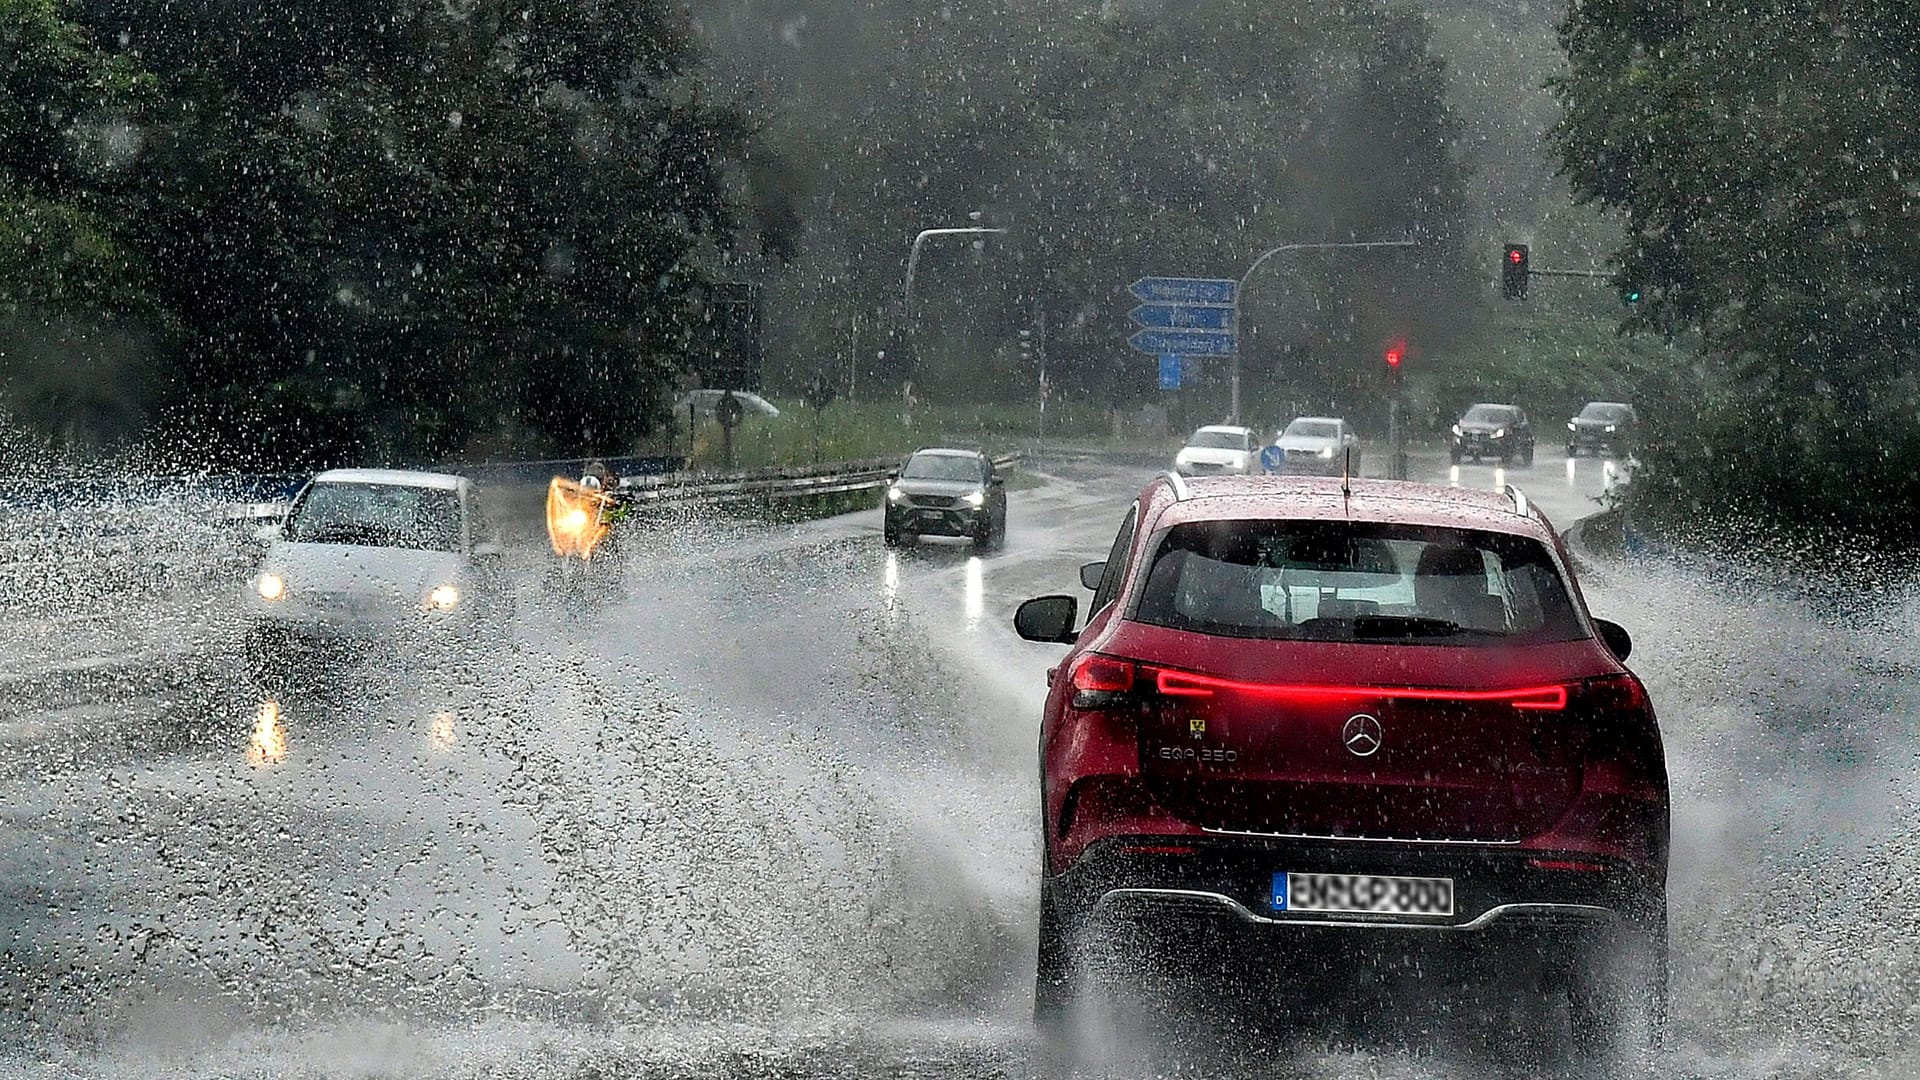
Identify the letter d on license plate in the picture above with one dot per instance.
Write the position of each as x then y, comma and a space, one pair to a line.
1362, 894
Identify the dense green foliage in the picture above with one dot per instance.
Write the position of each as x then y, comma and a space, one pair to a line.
1770, 179
382, 230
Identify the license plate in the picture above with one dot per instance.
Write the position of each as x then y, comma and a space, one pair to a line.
1362, 894
931, 515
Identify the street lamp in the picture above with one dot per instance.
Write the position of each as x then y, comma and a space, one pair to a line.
1241, 289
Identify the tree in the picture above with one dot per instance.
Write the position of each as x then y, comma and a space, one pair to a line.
1769, 208
75, 305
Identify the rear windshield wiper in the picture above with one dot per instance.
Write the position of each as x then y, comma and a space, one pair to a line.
1405, 626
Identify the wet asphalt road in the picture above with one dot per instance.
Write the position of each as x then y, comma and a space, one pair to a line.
770, 813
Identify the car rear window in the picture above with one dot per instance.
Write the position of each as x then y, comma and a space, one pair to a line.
1356, 582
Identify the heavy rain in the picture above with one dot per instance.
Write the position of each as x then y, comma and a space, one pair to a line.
1201, 538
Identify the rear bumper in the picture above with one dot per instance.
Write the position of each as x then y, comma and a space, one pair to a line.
1496, 887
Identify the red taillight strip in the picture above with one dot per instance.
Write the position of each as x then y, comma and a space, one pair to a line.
1187, 684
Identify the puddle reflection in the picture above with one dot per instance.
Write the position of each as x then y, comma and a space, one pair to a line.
1453, 476
440, 733
890, 580
976, 593
268, 746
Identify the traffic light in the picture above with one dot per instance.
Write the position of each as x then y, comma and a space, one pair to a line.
1513, 272
1395, 354
1026, 346
1630, 295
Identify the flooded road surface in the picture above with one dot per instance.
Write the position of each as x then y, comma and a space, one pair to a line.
769, 811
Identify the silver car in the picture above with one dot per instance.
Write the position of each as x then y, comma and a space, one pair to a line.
1318, 445
403, 562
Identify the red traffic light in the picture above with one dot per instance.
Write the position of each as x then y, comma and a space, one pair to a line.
1516, 256
1393, 358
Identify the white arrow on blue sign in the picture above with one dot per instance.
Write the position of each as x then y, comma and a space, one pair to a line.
1183, 342
1182, 316
1198, 291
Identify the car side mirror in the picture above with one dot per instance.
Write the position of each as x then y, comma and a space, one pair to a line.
1615, 637
893, 477
1091, 573
1048, 619
998, 480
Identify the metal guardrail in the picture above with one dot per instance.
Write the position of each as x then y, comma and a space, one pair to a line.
769, 485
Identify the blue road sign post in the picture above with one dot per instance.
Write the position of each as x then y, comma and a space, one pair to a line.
1217, 292
1183, 318
1183, 342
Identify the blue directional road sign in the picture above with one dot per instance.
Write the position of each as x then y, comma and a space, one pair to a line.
1273, 459
1182, 317
1169, 290
1183, 342
1171, 367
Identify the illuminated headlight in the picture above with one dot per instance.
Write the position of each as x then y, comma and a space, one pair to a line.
271, 587
1456, 429
444, 598
1325, 451
894, 494
1500, 434
1610, 428
1571, 426
975, 499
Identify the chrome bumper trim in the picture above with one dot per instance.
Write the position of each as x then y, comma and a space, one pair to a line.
1222, 904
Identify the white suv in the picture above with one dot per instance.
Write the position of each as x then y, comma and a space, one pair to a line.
1219, 449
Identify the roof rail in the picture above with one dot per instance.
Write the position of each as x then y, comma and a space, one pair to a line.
1520, 504
1178, 483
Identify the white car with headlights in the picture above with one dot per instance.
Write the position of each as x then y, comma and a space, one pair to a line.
1217, 450
1318, 445
374, 558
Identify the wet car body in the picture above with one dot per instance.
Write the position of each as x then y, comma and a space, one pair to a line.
947, 493
1603, 427
1494, 431
1203, 776
341, 581
1318, 446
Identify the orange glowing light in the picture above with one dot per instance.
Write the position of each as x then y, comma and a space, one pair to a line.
269, 743
576, 518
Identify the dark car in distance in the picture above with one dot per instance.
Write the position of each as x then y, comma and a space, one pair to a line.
1603, 427
953, 493
1349, 726
1492, 431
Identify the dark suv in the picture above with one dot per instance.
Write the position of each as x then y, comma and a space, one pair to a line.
1495, 431
1604, 427
1383, 721
946, 493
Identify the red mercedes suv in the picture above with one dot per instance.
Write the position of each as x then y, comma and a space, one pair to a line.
1371, 715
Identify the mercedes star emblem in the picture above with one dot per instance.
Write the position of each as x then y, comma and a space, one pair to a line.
1362, 735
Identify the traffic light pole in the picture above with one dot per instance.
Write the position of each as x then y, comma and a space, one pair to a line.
1233, 409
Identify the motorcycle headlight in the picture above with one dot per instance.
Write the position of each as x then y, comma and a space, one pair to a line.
271, 587
1456, 429
975, 499
444, 598
894, 494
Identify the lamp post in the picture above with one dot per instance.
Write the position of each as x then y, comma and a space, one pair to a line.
1240, 290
